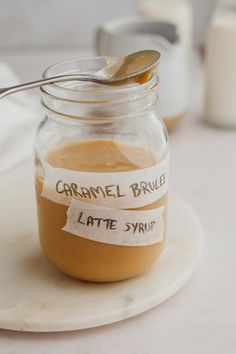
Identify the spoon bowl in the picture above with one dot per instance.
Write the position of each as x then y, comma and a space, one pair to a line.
131, 66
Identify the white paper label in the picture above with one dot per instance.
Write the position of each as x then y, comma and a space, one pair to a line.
113, 226
118, 190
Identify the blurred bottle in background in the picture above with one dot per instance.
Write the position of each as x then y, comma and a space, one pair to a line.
179, 14
176, 12
163, 25
221, 66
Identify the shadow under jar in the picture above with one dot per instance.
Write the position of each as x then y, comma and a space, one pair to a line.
101, 175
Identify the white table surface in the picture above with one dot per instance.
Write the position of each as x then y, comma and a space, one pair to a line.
201, 318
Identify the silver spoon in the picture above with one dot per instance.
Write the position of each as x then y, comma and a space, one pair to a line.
120, 69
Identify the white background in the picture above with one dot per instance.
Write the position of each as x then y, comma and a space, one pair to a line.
33, 24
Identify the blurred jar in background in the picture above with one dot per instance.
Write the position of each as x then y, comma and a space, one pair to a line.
221, 66
125, 35
176, 12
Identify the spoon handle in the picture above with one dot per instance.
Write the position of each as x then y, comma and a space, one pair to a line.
52, 80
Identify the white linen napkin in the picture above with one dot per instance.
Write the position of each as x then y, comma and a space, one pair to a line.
18, 121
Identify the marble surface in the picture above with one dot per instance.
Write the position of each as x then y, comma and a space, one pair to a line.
201, 317
36, 297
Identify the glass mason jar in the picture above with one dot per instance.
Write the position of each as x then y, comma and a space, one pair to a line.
101, 175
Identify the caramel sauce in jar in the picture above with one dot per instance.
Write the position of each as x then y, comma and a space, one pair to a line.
78, 256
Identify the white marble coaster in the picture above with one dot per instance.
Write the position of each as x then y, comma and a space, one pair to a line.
36, 297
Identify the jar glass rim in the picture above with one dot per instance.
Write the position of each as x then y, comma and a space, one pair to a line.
80, 99
77, 65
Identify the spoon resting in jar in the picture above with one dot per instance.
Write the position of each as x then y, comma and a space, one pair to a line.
119, 70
